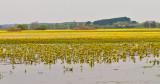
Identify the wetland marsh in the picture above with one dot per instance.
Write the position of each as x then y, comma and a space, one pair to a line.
80, 61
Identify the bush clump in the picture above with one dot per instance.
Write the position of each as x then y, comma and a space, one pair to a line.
84, 28
41, 27
13, 29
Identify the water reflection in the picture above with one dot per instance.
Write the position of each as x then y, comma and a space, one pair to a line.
79, 53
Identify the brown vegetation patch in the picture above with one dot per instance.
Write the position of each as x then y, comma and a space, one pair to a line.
84, 28
13, 29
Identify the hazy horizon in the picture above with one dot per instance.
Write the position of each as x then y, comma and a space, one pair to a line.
55, 11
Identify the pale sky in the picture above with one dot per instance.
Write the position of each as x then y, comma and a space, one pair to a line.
52, 11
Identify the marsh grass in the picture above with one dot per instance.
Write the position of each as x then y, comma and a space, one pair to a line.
1, 76
147, 66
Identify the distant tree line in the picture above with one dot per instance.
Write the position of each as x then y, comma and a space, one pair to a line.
111, 21
120, 22
150, 24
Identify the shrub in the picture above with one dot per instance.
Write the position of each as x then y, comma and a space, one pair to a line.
13, 29
84, 28
41, 27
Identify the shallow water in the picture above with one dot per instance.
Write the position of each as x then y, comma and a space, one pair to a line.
116, 73
128, 71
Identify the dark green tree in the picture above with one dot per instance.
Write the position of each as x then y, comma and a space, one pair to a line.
88, 23
1, 27
72, 25
111, 21
158, 25
23, 26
